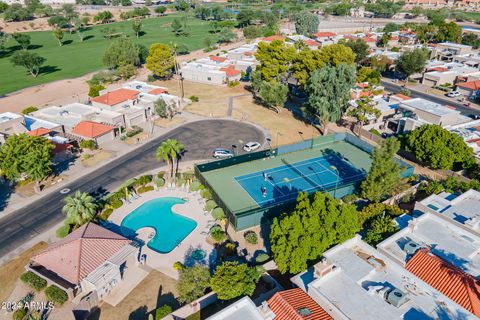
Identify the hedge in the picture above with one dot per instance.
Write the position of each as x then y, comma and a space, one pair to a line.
206, 194
145, 189
162, 312
143, 180
19, 314
217, 234
63, 231
195, 186
210, 205
218, 213
56, 295
160, 182
88, 144
262, 258
105, 214
251, 237
33, 281
116, 203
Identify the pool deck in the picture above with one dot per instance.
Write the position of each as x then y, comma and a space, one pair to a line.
193, 209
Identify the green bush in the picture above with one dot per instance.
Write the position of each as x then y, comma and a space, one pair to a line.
94, 90
218, 213
195, 186
178, 266
134, 131
105, 214
161, 174
232, 84
262, 258
88, 144
56, 295
217, 234
350, 198
19, 314
33, 281
160, 182
116, 203
144, 189
194, 98
63, 231
162, 312
143, 180
181, 182
374, 131
206, 194
210, 205
29, 110
251, 237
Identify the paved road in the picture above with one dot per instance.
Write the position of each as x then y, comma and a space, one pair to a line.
198, 137
417, 94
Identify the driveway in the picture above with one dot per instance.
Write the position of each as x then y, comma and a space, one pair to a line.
199, 138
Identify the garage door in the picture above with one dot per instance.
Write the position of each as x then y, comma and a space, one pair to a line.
136, 121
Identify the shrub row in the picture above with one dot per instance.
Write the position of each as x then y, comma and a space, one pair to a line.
33, 281
56, 295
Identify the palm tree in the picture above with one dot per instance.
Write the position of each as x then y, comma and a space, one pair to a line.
80, 208
163, 153
176, 149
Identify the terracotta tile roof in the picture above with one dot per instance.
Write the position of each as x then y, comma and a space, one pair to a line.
401, 96
325, 34
39, 132
158, 91
473, 85
453, 282
231, 71
274, 37
218, 59
81, 252
368, 39
90, 129
288, 304
439, 69
362, 85
311, 43
117, 96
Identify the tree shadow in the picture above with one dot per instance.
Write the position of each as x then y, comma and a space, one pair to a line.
64, 165
88, 37
141, 313
67, 42
48, 69
34, 46
141, 34
166, 299
5, 194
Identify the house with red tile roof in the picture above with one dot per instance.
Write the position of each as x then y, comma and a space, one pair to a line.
116, 97
325, 35
98, 132
295, 304
469, 88
450, 280
273, 38
90, 259
355, 281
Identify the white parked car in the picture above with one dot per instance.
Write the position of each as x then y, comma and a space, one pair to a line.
251, 146
222, 153
453, 94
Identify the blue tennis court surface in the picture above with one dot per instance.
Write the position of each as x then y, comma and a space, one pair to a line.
283, 183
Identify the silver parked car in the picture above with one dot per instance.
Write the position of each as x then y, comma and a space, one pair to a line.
222, 153
251, 146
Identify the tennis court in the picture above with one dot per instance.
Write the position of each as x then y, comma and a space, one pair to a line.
283, 183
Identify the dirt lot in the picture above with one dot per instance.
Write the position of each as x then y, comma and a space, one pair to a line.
213, 102
11, 271
154, 291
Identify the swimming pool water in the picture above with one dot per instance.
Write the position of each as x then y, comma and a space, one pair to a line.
170, 228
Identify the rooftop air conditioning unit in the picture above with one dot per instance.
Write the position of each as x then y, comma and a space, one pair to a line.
411, 247
396, 297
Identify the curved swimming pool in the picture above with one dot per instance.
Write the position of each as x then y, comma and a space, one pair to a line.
170, 228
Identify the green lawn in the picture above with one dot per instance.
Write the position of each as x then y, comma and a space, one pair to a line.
77, 58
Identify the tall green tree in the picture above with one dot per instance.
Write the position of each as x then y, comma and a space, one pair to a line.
177, 27
360, 48
275, 59
306, 23
192, 283
79, 208
384, 173
449, 32
170, 150
366, 74
232, 280
137, 27
121, 51
305, 62
26, 156
273, 94
29, 60
4, 37
227, 35
384, 40
337, 54
411, 62
438, 147
23, 39
328, 92
300, 237
163, 154
365, 106
160, 60
58, 34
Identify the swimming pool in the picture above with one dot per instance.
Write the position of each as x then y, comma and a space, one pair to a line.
170, 228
